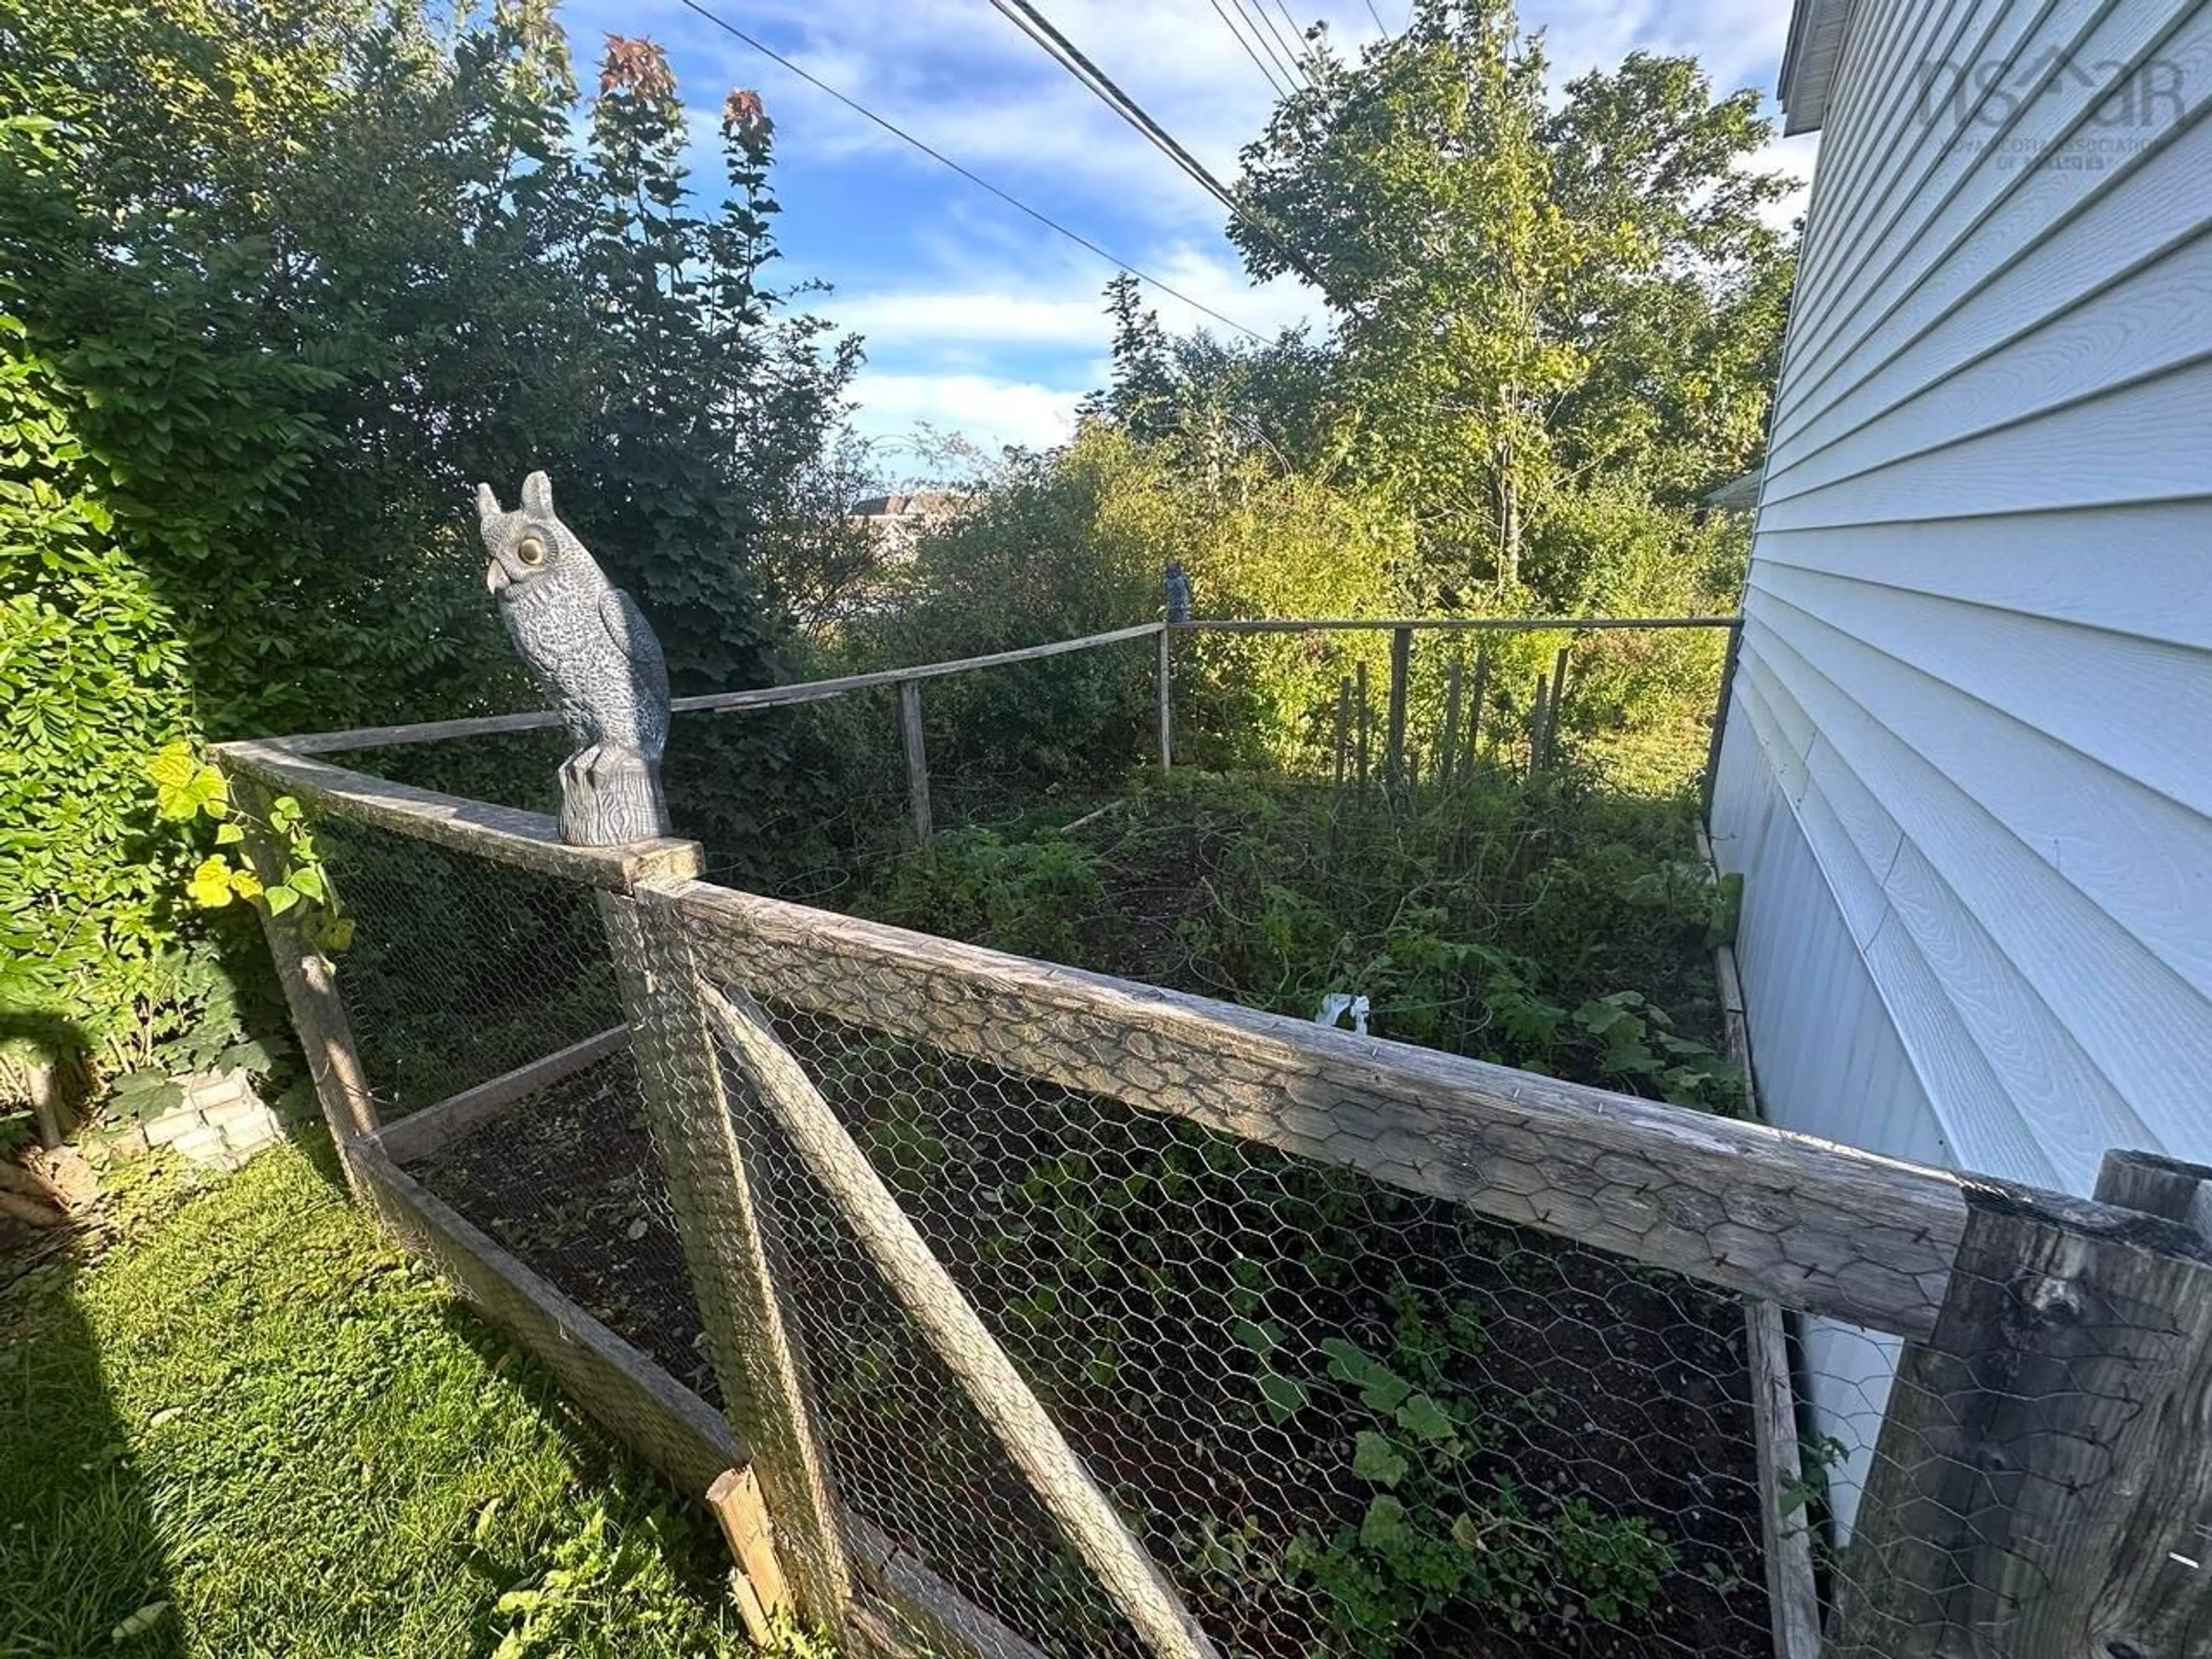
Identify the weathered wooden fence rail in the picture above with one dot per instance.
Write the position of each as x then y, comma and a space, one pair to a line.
2043, 1484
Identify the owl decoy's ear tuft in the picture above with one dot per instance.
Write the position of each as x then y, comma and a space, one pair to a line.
488, 508
537, 494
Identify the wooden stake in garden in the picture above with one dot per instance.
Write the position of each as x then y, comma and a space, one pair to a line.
917, 759
1343, 729
1401, 669
1553, 704
1537, 729
1448, 755
1474, 706
1360, 671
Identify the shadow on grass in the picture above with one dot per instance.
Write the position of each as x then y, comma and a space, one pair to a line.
79, 1555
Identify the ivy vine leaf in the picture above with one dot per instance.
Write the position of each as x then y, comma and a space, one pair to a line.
1375, 1459
229, 834
183, 787
1285, 1396
210, 887
308, 882
1384, 1526
1261, 1338
173, 768
1422, 1418
1381, 1388
281, 897
284, 814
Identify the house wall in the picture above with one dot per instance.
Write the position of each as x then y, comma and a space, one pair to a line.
1968, 766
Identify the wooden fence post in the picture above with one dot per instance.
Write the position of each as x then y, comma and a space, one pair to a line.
1343, 729
728, 1247
1475, 694
1536, 727
933, 1300
1554, 704
1401, 668
917, 758
1720, 723
1448, 754
1363, 714
311, 996
2042, 1485
1163, 687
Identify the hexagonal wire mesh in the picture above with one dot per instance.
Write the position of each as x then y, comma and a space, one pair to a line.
1348, 1420
1343, 1418
462, 973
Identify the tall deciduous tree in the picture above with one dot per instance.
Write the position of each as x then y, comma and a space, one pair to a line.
1525, 294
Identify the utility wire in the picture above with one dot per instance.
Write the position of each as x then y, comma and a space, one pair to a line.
1297, 33
1057, 46
1237, 35
1288, 56
1025, 16
981, 183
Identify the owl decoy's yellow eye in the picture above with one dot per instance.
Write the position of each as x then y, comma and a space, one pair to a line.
530, 551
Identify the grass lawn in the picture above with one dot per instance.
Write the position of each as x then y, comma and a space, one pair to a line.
243, 1423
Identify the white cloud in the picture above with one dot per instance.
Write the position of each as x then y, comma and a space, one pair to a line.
989, 411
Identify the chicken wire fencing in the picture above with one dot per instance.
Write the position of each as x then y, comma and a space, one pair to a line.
1330, 1415
1317, 1412
1344, 1421
483, 994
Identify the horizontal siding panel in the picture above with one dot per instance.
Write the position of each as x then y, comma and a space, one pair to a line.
2140, 859
2139, 707
2139, 570
2114, 450
1828, 1059
1969, 172
2158, 319
1862, 135
1965, 774
2100, 1044
2026, 264
1972, 1110
1898, 163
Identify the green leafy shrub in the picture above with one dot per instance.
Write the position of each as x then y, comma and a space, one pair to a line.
1024, 897
278, 284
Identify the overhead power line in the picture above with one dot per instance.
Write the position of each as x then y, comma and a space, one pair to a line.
1288, 56
1258, 63
1025, 16
977, 179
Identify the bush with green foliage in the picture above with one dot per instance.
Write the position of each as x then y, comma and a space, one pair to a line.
278, 284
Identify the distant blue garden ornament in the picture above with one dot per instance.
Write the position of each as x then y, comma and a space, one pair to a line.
590, 647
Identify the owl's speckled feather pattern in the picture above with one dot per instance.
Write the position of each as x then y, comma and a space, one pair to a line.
583, 639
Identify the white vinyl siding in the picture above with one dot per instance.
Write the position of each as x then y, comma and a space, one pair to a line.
1972, 732
1967, 772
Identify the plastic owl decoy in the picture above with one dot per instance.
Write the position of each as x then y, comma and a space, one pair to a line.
586, 643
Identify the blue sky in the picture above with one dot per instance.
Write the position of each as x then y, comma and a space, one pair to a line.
976, 319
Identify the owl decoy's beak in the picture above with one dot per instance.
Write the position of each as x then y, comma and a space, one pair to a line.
495, 577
